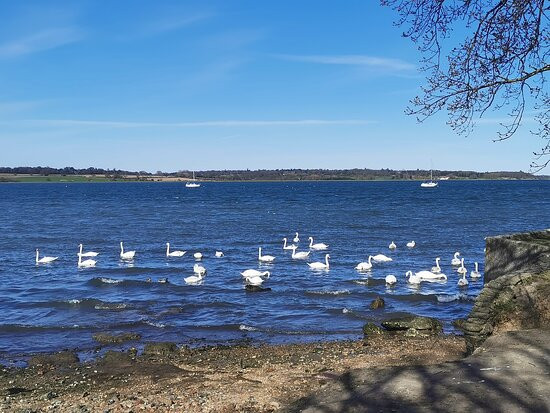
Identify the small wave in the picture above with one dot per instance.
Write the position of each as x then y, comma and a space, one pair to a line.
110, 306
346, 310
75, 301
328, 292
370, 282
243, 327
154, 324
453, 297
108, 280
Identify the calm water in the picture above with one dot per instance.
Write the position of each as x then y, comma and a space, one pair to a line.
57, 306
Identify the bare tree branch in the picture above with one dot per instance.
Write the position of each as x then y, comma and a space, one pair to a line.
502, 63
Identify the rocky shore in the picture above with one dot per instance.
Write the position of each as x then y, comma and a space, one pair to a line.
165, 377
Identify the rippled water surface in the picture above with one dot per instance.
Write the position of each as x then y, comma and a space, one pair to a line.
49, 307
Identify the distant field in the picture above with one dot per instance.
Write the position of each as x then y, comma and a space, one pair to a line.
53, 178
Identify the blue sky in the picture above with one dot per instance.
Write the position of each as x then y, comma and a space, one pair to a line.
177, 85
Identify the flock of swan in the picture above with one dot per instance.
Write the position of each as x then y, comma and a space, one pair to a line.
255, 278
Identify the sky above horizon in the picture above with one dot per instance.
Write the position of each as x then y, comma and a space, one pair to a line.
198, 85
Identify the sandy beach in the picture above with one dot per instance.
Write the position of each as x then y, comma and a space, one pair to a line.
209, 379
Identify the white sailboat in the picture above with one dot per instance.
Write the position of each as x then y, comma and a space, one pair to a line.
193, 183
431, 183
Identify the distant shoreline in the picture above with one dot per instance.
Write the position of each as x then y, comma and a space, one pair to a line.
14, 179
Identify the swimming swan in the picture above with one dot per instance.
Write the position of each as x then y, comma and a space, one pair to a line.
437, 268
462, 269
264, 258
302, 255
365, 266
475, 273
255, 273
87, 254
430, 276
463, 282
392, 246
199, 269
318, 247
381, 258
456, 260
219, 254
128, 255
412, 278
320, 265
193, 279
255, 281
411, 244
391, 279
173, 253
198, 255
44, 260
255, 277
86, 263
296, 238
287, 247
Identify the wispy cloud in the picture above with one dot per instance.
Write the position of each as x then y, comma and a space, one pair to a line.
40, 41
351, 60
173, 22
210, 123
20, 106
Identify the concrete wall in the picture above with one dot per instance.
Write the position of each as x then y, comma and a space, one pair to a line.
525, 252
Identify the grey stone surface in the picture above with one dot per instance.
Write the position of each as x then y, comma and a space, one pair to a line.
527, 252
509, 373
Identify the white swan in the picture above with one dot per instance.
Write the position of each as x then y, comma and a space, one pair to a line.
255, 277
287, 247
193, 279
255, 273
391, 279
411, 244
302, 255
381, 258
463, 282
86, 263
199, 269
412, 278
392, 246
318, 247
173, 253
264, 258
365, 266
462, 269
320, 265
456, 260
44, 260
437, 268
255, 281
87, 254
296, 238
219, 254
430, 276
197, 255
128, 255
475, 273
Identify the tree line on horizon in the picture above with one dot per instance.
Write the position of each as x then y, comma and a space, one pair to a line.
274, 174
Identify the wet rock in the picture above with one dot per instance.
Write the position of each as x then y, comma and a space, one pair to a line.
377, 303
459, 323
116, 357
50, 395
61, 359
422, 325
108, 338
372, 330
160, 349
17, 390
256, 289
